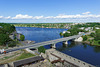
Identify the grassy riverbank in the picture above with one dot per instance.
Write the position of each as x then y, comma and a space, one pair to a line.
93, 38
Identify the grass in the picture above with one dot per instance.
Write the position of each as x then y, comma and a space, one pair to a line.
24, 55
96, 43
93, 42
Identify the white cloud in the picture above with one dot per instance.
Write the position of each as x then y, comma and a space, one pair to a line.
20, 16
1, 17
86, 12
38, 17
49, 17
61, 17
9, 17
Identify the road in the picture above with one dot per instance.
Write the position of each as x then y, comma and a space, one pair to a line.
44, 43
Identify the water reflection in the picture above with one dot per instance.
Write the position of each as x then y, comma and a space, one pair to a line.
97, 49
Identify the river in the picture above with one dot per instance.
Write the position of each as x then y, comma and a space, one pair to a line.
82, 51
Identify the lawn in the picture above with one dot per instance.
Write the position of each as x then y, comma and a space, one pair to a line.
12, 58
24, 55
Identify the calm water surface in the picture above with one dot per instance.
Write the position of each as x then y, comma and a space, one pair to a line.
84, 52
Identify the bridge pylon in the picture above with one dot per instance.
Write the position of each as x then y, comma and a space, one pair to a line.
53, 45
65, 42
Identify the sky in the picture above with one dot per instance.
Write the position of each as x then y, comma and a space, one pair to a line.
49, 11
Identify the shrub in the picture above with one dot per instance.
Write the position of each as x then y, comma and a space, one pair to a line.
22, 37
84, 38
61, 34
92, 34
98, 41
41, 49
11, 44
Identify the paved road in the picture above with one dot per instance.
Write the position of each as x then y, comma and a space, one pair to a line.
44, 43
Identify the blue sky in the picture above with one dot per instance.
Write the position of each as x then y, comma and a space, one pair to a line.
39, 11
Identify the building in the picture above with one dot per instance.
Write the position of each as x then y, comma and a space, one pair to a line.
24, 62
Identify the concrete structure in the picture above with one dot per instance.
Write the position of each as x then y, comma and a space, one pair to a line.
80, 39
33, 51
56, 56
65, 42
46, 43
21, 63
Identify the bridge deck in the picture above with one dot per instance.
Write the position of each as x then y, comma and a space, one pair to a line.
44, 43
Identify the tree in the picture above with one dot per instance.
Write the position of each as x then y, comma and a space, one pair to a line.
66, 34
97, 36
2, 31
84, 38
4, 38
12, 44
41, 49
8, 27
61, 34
22, 37
98, 41
92, 34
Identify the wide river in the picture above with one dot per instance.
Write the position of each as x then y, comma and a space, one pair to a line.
84, 52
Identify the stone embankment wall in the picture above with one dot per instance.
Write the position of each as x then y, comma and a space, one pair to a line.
67, 58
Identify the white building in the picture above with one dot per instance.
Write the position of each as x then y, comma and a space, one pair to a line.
97, 28
81, 28
66, 31
89, 29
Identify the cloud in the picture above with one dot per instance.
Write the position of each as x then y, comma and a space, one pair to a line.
20, 16
38, 17
9, 17
1, 17
61, 17
86, 12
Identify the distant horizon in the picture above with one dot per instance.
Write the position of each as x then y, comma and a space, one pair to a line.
45, 22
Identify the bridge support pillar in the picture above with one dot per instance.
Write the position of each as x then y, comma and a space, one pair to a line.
53, 45
65, 42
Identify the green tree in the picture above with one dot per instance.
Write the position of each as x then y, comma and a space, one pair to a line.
2, 31
66, 34
97, 36
92, 34
61, 34
98, 41
84, 38
12, 44
22, 37
41, 49
4, 38
8, 27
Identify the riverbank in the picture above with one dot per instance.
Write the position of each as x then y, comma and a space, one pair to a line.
46, 25
87, 42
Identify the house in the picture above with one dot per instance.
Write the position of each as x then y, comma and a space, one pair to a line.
81, 33
66, 31
89, 29
81, 28
97, 28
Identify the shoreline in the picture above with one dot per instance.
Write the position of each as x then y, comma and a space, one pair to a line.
90, 43
43, 27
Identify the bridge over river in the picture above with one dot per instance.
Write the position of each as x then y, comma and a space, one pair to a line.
44, 43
